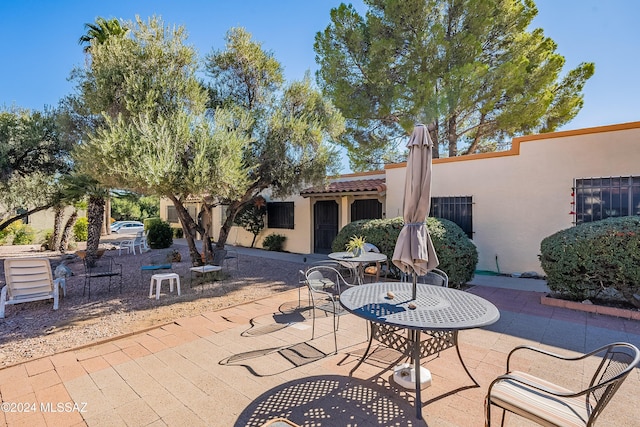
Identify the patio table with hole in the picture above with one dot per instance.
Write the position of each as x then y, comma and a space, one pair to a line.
388, 306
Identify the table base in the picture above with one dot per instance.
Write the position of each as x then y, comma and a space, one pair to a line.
405, 376
412, 346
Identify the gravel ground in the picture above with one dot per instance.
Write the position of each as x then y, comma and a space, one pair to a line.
31, 330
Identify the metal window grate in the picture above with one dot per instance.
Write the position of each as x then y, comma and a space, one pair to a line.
366, 209
172, 215
280, 215
601, 198
458, 209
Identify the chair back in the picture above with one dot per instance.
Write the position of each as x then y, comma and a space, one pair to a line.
323, 278
99, 267
218, 257
28, 277
368, 247
435, 277
618, 361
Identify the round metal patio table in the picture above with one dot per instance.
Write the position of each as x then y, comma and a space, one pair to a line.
389, 304
357, 262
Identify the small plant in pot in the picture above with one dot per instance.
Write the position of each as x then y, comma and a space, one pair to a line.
355, 245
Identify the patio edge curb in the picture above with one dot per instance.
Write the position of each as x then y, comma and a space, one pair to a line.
590, 308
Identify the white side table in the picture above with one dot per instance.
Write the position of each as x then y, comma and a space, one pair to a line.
157, 280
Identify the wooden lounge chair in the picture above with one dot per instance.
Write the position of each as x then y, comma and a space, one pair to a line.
28, 279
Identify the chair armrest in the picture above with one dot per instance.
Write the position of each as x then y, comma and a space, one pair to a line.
543, 352
558, 356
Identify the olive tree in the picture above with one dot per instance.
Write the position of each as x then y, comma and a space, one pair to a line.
291, 128
161, 142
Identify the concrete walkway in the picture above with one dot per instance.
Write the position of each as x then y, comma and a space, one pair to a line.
244, 365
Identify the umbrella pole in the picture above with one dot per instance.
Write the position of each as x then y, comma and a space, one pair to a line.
414, 279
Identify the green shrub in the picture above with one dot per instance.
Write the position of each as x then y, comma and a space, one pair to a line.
457, 254
148, 221
178, 233
46, 240
23, 234
159, 233
4, 236
583, 260
274, 242
81, 229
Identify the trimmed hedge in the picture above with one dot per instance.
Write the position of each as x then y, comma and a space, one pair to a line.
457, 254
583, 260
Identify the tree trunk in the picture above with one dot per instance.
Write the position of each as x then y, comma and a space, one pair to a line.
95, 215
433, 132
452, 138
106, 227
66, 232
190, 229
232, 211
54, 243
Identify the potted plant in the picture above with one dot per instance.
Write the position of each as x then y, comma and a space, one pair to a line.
356, 245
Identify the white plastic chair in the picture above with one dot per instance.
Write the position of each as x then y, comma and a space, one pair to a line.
29, 279
130, 244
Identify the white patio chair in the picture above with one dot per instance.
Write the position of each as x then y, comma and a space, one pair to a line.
131, 244
29, 279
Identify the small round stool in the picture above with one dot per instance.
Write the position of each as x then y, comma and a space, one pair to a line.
158, 278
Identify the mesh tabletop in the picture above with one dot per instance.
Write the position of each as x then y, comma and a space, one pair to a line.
363, 257
436, 308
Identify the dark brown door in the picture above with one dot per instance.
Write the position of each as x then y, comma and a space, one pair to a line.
325, 221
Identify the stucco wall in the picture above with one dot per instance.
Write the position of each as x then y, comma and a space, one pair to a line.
297, 241
524, 195
520, 196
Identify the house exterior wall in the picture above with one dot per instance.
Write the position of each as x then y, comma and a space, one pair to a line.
43, 221
524, 195
297, 241
520, 196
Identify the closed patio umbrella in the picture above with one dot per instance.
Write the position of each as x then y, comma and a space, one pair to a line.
414, 252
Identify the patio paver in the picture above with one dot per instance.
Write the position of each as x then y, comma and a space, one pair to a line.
244, 365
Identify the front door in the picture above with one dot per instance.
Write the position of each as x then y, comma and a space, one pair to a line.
325, 221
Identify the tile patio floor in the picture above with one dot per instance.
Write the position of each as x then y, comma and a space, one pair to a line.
244, 365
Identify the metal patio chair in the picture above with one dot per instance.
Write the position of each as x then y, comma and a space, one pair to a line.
546, 403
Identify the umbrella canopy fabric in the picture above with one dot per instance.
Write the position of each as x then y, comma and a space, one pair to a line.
414, 251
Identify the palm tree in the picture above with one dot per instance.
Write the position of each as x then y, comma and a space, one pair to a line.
101, 31
83, 185
98, 33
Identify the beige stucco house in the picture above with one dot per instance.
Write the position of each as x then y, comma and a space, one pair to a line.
507, 201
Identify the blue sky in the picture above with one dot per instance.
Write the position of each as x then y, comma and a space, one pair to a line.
39, 42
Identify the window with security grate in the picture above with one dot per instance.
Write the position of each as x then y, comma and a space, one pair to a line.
366, 209
600, 198
458, 209
280, 215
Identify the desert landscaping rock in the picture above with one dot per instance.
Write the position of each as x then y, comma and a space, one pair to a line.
32, 330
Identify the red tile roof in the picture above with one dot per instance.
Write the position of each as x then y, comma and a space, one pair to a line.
355, 186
